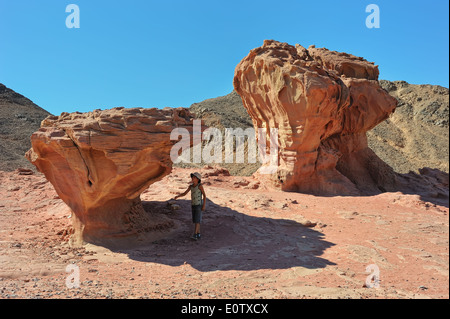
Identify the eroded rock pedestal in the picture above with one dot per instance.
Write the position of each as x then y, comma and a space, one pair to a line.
322, 104
100, 162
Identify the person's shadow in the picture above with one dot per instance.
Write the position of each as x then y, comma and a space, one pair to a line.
231, 241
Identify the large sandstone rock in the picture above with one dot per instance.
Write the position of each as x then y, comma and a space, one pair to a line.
100, 162
322, 103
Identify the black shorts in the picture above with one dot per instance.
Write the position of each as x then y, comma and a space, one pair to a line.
196, 214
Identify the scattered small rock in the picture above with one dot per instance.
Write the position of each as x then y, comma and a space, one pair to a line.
24, 171
309, 223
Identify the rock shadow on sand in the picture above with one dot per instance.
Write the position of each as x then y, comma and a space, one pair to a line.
232, 241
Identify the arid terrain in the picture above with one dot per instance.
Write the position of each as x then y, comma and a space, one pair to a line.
19, 118
257, 243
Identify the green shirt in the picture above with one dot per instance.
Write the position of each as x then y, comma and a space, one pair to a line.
196, 195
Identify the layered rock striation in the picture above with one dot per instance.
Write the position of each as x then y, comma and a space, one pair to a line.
322, 103
100, 162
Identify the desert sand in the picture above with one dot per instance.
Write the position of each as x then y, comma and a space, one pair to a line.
333, 220
258, 242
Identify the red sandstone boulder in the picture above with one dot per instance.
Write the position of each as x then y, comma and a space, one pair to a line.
100, 162
322, 103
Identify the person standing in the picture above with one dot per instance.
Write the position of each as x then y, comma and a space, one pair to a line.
198, 202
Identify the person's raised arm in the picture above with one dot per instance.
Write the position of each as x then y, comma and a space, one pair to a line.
183, 194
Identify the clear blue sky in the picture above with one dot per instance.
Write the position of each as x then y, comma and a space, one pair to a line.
174, 53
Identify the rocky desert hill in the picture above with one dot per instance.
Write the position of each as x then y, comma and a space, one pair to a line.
415, 136
19, 118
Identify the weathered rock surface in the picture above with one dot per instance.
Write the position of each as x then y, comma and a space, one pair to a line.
322, 103
100, 162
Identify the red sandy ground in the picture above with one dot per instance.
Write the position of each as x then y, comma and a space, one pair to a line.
257, 243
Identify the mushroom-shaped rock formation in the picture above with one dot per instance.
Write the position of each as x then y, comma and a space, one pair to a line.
322, 103
100, 162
